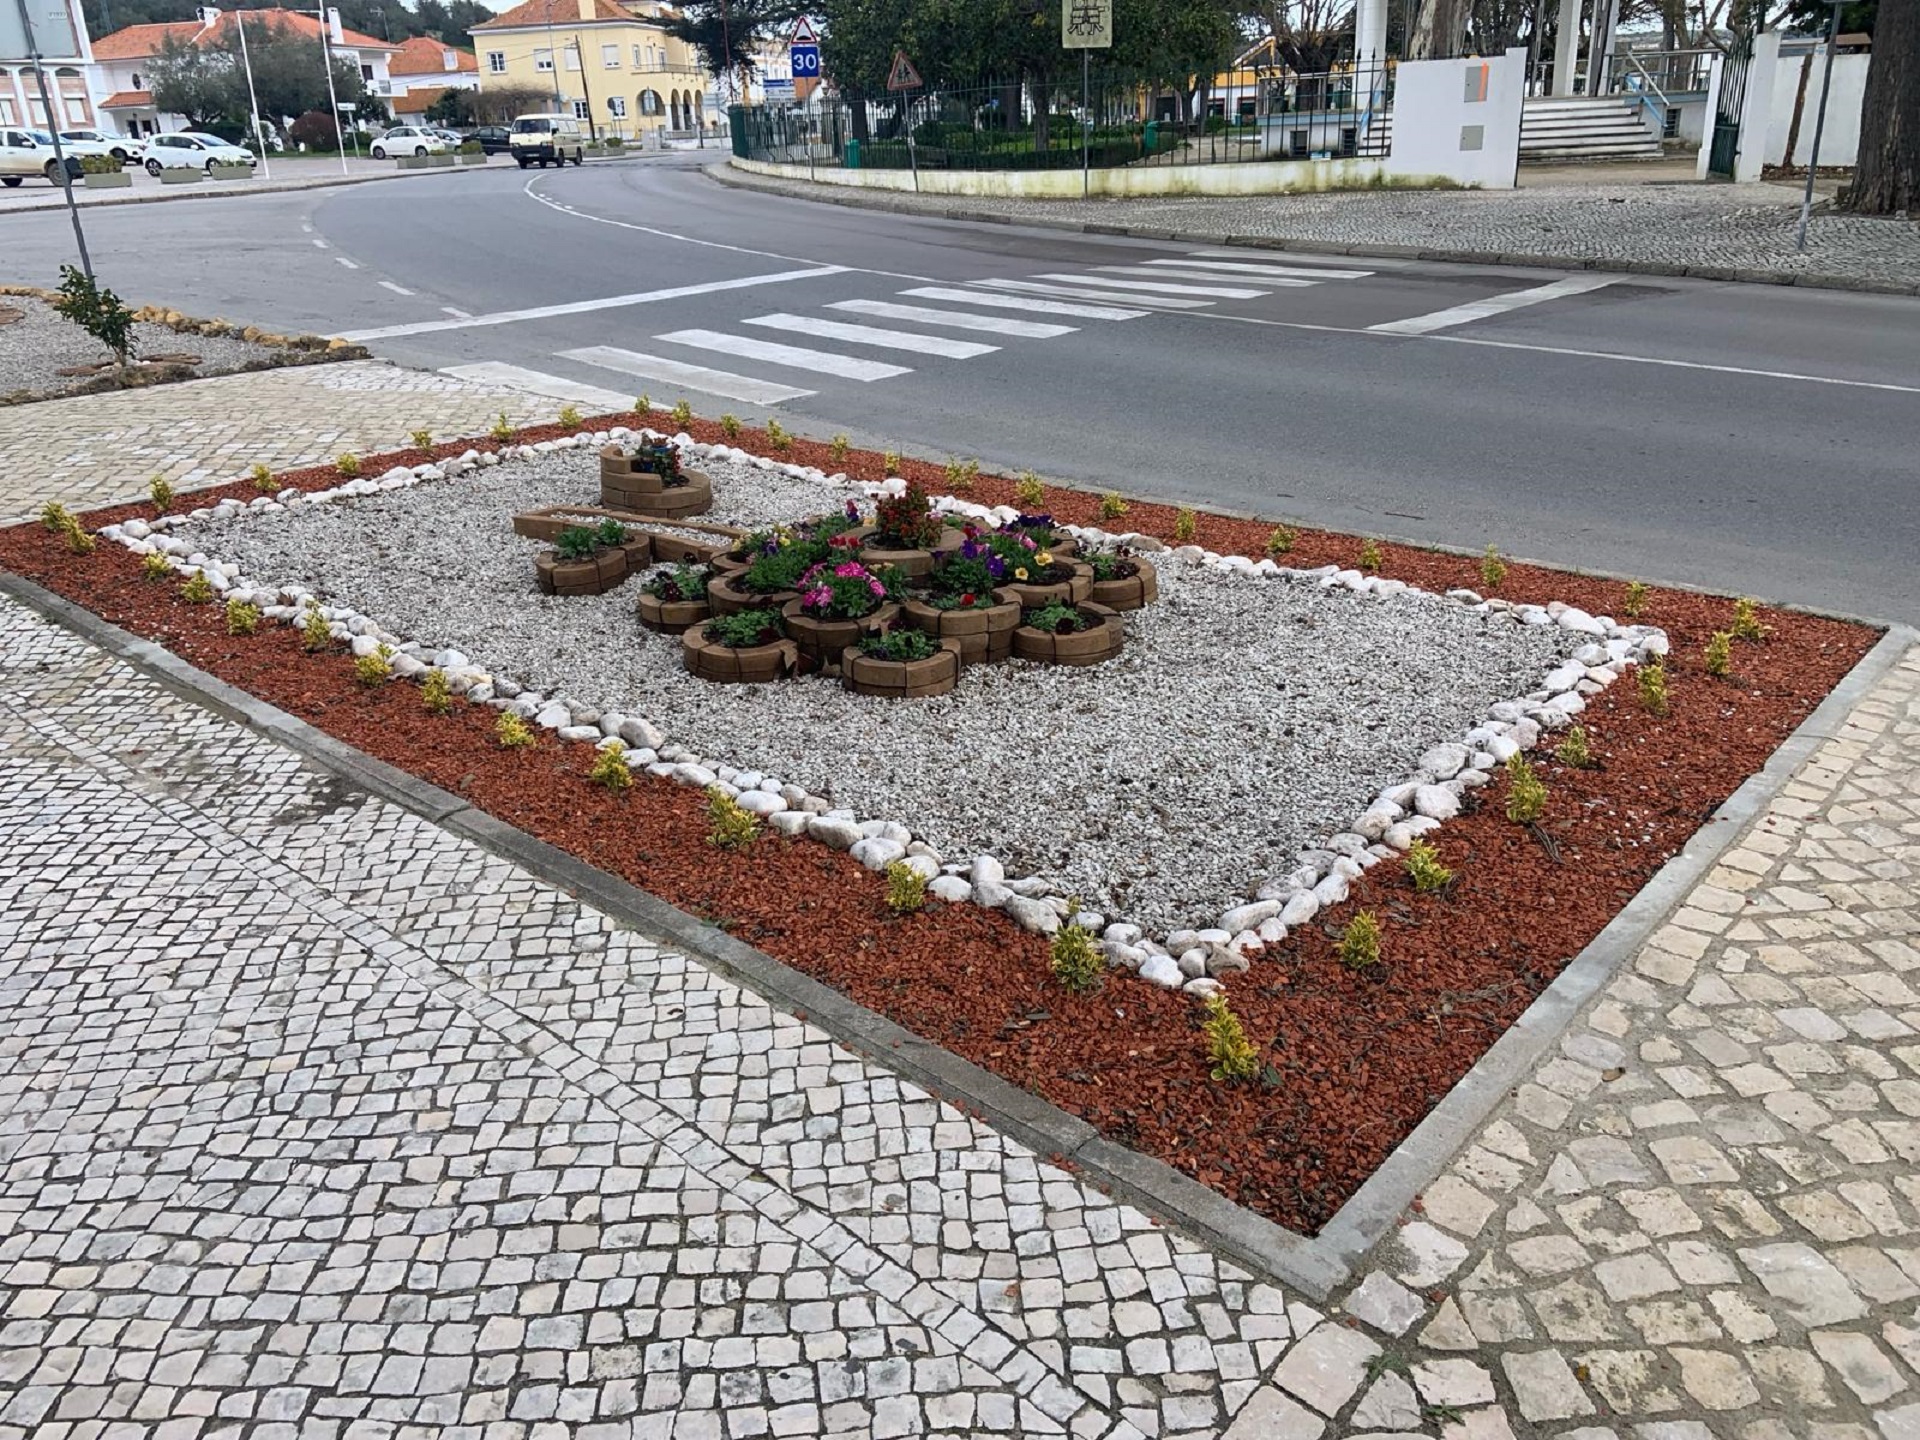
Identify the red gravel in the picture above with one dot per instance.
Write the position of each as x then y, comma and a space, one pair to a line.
1354, 1060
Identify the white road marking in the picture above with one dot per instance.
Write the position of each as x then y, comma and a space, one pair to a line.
692, 377
1223, 292
1297, 257
583, 307
350, 264
873, 335
1035, 287
958, 319
1492, 305
1249, 268
1017, 302
457, 312
820, 362
1151, 272
536, 382
320, 244
396, 289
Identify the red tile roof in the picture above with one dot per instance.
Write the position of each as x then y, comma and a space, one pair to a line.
424, 55
139, 42
127, 99
555, 12
419, 99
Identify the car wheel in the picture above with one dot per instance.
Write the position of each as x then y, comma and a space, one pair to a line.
419, 151
377, 153
579, 157
522, 161
120, 158
208, 167
153, 168
52, 173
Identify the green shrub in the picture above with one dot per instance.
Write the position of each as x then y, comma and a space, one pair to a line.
197, 590
154, 566
315, 633
161, 493
838, 449
730, 825
1076, 963
96, 310
1635, 600
1424, 868
502, 428
1232, 1056
1280, 542
1360, 942
730, 425
436, 695
512, 732
1372, 557
421, 439
1186, 525
1574, 751
1526, 791
1112, 505
348, 465
55, 517
570, 418
682, 414
1028, 490
1719, 654
906, 888
609, 769
242, 618
375, 669
1652, 682
1746, 620
777, 437
77, 539
1492, 569
262, 478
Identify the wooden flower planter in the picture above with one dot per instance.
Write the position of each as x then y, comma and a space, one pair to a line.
672, 617
984, 633
1128, 592
593, 576
548, 521
728, 597
1083, 647
913, 564
822, 641
901, 679
1071, 591
622, 487
724, 665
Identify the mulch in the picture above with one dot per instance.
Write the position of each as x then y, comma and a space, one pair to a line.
1352, 1060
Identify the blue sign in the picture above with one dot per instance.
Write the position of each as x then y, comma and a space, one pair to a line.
779, 89
806, 61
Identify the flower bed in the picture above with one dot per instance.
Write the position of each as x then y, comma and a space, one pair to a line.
675, 599
590, 560
840, 603
901, 665
1355, 1059
645, 477
744, 647
1122, 580
1061, 634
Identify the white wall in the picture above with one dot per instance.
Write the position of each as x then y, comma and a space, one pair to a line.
1841, 143
1460, 119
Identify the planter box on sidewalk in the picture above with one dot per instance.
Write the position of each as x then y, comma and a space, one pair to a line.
411, 162
117, 180
180, 176
232, 172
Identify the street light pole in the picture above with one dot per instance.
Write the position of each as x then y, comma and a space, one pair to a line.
1819, 125
53, 128
553, 56
333, 100
253, 100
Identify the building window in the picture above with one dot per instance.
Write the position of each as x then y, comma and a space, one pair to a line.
638, 63
77, 111
580, 110
617, 106
649, 102
543, 60
496, 62
573, 57
610, 56
6, 111
366, 73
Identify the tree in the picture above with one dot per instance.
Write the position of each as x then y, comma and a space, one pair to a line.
206, 81
499, 104
1886, 178
454, 107
1440, 32
1309, 34
729, 33
198, 82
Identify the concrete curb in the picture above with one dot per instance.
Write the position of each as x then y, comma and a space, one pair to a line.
270, 187
1317, 1265
876, 200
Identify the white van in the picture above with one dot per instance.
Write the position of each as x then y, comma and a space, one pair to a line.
550, 139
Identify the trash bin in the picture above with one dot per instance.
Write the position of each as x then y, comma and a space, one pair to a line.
1151, 139
853, 154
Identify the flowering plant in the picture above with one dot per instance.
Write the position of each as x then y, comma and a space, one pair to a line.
899, 645
682, 582
1024, 560
1115, 564
1041, 528
745, 629
842, 590
905, 521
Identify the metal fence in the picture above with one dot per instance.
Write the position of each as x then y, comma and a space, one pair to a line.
1125, 121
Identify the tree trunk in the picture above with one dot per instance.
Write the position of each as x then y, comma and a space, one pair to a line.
1886, 180
1441, 31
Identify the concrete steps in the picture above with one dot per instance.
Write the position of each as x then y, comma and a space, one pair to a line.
1585, 128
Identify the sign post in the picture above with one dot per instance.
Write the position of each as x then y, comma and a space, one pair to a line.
803, 58
1086, 26
904, 79
1819, 126
53, 22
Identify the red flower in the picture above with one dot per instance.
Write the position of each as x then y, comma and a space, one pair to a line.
966, 600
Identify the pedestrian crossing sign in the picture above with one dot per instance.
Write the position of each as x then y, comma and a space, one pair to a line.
903, 76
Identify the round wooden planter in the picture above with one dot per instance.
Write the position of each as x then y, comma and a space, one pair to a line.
641, 492
1083, 647
754, 665
727, 597
984, 633
1068, 592
1133, 592
901, 679
594, 576
822, 641
671, 617
724, 564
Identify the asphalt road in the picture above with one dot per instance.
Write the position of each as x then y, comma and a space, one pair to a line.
1751, 439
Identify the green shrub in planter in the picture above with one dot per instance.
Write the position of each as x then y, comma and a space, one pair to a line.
103, 172
473, 153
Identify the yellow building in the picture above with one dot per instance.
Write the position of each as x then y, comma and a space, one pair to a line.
609, 63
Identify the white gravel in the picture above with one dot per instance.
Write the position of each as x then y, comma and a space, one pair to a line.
1246, 720
41, 342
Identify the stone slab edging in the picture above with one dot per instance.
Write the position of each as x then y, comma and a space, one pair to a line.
1315, 1265
1732, 274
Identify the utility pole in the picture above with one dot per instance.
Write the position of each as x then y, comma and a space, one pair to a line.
253, 100
553, 56
1819, 125
586, 91
54, 122
333, 100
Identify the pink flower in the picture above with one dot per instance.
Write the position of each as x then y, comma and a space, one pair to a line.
876, 587
1027, 540
849, 571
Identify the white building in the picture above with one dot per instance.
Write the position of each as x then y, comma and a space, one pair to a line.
72, 80
124, 62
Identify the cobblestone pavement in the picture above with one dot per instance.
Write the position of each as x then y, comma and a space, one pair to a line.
1725, 227
91, 450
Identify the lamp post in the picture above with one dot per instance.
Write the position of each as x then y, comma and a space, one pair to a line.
53, 128
553, 56
1819, 125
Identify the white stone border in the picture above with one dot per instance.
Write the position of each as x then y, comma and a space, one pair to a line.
1189, 960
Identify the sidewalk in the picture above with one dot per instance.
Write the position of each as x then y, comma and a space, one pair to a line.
1718, 232
313, 1112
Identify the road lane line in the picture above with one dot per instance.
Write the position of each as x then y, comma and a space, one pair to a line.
457, 312
874, 335
1242, 267
537, 382
396, 289
1149, 271
583, 307
958, 319
1020, 302
1149, 302
1492, 305
693, 377
819, 362
1298, 257
1157, 287
350, 264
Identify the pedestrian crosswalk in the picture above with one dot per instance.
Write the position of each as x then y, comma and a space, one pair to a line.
803, 349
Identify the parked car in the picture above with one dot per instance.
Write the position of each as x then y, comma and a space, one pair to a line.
549, 139
124, 148
409, 140
494, 139
453, 138
23, 153
194, 150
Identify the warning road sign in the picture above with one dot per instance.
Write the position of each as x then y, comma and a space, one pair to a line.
903, 76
